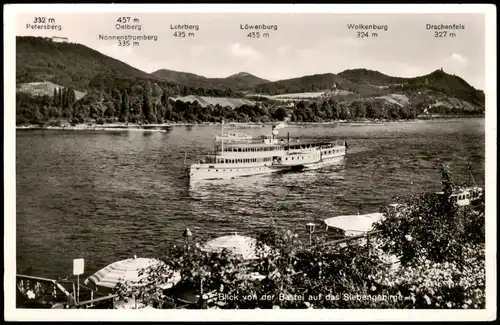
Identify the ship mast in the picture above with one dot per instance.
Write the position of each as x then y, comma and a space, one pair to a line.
288, 142
222, 138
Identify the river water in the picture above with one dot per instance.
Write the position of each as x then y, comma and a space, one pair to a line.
108, 195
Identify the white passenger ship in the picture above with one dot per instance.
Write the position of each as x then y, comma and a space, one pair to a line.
265, 155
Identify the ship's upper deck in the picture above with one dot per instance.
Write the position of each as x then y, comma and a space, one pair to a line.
278, 145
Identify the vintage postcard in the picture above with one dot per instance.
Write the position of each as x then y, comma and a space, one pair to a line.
250, 162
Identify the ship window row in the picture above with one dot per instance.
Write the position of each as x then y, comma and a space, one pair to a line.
293, 158
464, 196
473, 195
242, 160
296, 158
239, 170
255, 149
334, 151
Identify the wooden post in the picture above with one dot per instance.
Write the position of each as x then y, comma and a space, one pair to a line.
78, 266
201, 291
78, 288
222, 139
288, 141
310, 227
74, 292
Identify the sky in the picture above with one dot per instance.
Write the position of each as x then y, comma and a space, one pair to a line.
303, 44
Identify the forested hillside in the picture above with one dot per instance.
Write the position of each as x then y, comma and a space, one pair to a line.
239, 81
58, 82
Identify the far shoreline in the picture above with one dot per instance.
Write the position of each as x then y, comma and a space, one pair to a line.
151, 127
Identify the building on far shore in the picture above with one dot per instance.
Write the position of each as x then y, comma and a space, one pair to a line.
58, 39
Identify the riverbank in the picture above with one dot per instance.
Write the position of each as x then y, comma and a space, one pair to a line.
157, 127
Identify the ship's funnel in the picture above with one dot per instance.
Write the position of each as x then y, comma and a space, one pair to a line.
281, 125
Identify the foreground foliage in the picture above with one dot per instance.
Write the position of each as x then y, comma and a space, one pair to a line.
428, 253
151, 103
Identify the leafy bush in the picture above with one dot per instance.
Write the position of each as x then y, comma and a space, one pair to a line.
430, 226
53, 123
457, 284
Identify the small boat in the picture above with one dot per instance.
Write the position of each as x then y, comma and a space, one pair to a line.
465, 196
468, 195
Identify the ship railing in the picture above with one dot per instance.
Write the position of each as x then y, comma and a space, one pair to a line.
206, 159
259, 139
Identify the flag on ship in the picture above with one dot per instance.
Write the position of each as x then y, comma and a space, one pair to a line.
345, 144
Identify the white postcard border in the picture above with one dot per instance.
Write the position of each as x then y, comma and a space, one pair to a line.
11, 313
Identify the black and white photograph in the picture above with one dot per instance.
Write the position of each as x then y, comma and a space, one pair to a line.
259, 162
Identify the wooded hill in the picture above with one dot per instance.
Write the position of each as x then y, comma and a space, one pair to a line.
115, 91
239, 81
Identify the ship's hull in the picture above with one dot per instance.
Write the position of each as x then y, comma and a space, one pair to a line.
199, 172
324, 163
